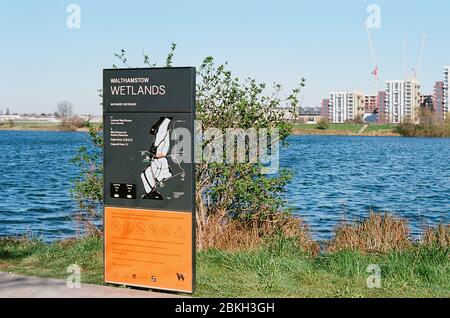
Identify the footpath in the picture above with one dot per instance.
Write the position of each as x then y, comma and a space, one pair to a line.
18, 286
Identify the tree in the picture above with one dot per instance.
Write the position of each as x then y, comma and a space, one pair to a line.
429, 125
238, 191
226, 193
7, 112
358, 119
88, 188
323, 124
64, 110
382, 118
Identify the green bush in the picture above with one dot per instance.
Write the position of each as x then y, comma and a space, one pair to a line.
323, 124
430, 125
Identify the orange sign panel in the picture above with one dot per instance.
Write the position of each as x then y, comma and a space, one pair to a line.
149, 248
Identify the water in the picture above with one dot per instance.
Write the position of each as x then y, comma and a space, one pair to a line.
342, 178
36, 173
336, 178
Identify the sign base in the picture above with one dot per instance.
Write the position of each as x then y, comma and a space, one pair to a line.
149, 248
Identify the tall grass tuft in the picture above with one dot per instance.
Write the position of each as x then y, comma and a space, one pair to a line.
235, 235
378, 233
437, 237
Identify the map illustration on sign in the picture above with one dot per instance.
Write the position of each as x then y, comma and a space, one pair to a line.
158, 169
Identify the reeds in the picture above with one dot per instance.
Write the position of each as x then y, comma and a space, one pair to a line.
437, 237
235, 235
378, 233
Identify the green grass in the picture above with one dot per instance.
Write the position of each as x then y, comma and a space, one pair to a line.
35, 258
276, 270
382, 127
346, 127
30, 125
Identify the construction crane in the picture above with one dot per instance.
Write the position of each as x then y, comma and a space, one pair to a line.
376, 70
417, 69
405, 63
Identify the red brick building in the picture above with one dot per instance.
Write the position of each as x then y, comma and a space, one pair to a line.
370, 104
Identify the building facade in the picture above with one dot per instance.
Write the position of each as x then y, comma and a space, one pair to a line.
439, 99
381, 104
427, 102
325, 108
402, 101
310, 115
446, 94
370, 104
345, 106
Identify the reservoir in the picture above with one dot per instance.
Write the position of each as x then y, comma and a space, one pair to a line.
336, 178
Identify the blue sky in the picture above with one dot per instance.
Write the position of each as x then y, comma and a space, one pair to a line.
43, 62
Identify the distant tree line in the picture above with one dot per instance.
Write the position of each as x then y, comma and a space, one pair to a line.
69, 121
430, 125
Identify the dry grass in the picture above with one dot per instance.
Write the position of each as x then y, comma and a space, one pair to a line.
238, 235
437, 237
378, 233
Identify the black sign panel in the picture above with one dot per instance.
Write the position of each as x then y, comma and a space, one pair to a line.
131, 158
149, 90
142, 109
149, 177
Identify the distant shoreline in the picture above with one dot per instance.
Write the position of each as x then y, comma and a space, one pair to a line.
298, 130
56, 129
295, 131
346, 129
318, 132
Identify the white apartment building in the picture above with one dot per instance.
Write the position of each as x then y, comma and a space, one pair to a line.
446, 97
345, 106
402, 101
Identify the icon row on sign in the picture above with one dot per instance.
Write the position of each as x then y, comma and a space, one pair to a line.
152, 229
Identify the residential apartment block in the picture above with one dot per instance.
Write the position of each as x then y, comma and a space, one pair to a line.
370, 103
427, 102
402, 101
446, 94
325, 108
439, 102
381, 104
345, 106
310, 115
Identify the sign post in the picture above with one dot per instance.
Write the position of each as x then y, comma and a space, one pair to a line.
149, 177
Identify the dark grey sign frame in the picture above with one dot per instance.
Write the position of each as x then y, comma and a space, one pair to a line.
180, 98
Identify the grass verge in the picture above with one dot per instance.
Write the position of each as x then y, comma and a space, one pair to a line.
277, 269
345, 130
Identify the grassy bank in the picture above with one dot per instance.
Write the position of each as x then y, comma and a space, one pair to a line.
345, 130
278, 269
29, 125
37, 125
